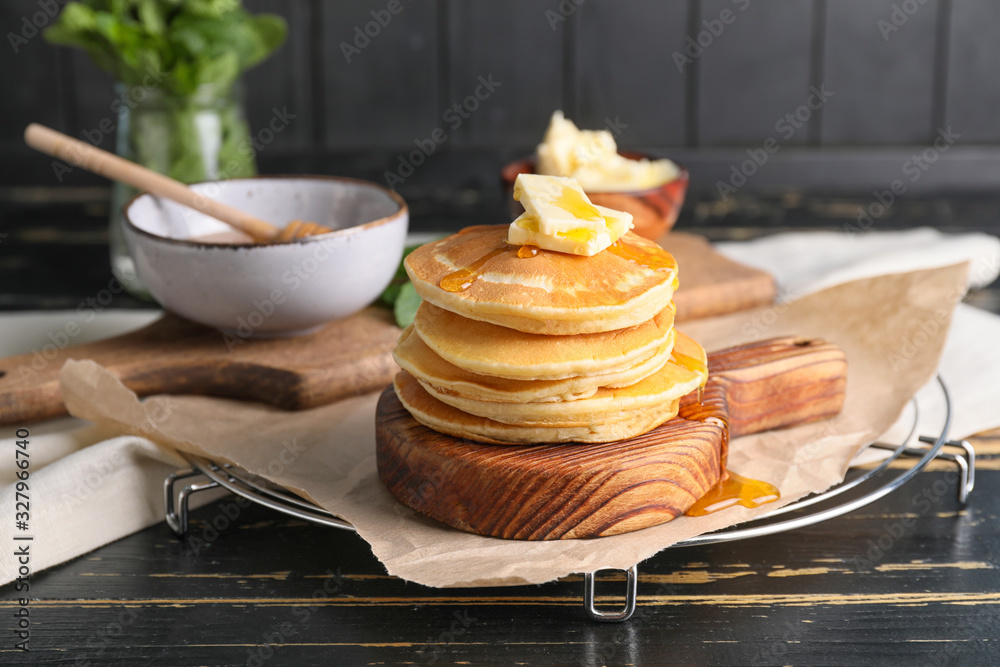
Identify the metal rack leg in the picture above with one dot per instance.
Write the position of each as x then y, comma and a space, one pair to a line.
178, 521
966, 462
632, 581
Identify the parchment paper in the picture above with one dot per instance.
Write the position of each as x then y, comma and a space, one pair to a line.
892, 328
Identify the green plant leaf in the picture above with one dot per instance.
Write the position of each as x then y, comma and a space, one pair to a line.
151, 14
192, 41
269, 32
406, 305
391, 293
221, 71
74, 23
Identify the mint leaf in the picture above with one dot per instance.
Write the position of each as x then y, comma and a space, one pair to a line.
406, 305
194, 42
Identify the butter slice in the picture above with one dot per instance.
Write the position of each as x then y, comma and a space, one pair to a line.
559, 216
585, 241
558, 204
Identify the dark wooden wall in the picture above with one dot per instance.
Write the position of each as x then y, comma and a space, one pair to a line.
893, 87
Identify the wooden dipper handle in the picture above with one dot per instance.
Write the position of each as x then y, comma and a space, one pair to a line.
560, 491
109, 165
776, 383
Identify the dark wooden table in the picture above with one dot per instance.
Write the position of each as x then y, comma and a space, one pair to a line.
275, 590
912, 579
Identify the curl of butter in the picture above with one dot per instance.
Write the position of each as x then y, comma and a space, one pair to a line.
591, 157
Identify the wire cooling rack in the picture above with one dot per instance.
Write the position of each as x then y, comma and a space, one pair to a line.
861, 487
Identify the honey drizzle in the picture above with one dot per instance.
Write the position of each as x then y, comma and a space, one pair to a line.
657, 258
734, 489
576, 205
694, 365
581, 235
731, 489
462, 279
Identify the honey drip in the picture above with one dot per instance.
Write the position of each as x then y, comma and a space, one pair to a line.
652, 258
462, 279
574, 203
526, 251
733, 490
694, 365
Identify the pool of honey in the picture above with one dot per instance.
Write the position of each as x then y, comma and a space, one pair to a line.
734, 490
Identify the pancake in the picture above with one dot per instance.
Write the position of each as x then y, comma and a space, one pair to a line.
441, 376
666, 385
550, 293
443, 418
489, 349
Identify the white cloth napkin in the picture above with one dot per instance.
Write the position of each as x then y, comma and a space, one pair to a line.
88, 489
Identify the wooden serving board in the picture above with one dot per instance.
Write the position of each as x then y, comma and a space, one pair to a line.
560, 491
175, 356
712, 284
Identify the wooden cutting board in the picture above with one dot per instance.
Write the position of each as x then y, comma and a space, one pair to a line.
560, 491
712, 284
175, 356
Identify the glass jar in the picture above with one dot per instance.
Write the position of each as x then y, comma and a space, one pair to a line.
201, 137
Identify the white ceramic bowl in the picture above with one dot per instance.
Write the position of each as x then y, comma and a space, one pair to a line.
274, 289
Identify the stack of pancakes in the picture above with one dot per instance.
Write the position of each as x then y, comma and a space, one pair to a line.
517, 345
